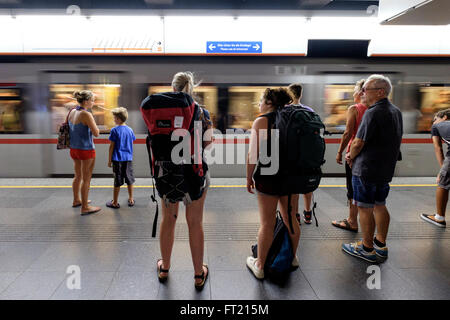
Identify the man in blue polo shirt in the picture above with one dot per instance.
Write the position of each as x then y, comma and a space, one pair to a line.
373, 156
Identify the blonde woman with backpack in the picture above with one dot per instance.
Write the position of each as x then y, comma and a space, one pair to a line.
157, 109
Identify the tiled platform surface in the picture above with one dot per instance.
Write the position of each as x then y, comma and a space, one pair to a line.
41, 235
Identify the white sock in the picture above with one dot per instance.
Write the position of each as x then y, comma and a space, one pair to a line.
439, 218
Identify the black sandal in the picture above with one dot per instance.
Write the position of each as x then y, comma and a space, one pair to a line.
160, 270
203, 277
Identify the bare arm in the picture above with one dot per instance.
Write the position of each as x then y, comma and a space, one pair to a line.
349, 129
437, 143
88, 119
355, 149
111, 150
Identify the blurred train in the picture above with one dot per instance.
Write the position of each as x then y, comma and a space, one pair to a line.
36, 94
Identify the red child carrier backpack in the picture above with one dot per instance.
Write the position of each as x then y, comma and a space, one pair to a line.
164, 113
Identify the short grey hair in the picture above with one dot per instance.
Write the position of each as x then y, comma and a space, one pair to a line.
381, 82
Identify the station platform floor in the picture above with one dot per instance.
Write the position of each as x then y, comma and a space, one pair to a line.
41, 235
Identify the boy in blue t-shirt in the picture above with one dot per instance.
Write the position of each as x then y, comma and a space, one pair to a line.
121, 156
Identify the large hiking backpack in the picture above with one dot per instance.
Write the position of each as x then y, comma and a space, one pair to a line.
164, 113
302, 149
278, 263
302, 152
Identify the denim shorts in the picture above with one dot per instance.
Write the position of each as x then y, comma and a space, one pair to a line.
368, 194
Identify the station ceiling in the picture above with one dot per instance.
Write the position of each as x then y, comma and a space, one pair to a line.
190, 4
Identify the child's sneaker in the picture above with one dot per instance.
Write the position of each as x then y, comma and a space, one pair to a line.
356, 249
251, 264
431, 219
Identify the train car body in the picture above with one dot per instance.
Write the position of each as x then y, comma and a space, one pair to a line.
35, 96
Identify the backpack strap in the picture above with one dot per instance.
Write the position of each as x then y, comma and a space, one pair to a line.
153, 196
314, 210
291, 227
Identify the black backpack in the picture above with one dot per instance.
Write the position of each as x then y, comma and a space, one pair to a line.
163, 113
302, 151
279, 258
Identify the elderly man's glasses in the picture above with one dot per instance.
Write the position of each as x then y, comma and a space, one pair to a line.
365, 89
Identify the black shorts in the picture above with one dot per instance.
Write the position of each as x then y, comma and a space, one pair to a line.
123, 172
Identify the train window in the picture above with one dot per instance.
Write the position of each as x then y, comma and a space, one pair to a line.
433, 99
337, 100
243, 105
10, 111
106, 98
206, 96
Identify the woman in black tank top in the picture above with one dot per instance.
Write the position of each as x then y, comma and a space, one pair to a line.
267, 185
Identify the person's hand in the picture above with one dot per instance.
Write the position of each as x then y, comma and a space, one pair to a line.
250, 185
339, 157
349, 160
110, 164
438, 178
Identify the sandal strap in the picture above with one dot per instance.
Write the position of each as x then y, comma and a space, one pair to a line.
202, 276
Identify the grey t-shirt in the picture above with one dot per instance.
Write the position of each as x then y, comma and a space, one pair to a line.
381, 129
442, 130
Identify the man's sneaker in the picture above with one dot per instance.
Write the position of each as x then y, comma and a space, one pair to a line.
382, 252
295, 262
307, 216
430, 218
356, 249
251, 264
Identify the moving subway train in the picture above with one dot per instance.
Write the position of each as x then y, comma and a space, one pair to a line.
36, 94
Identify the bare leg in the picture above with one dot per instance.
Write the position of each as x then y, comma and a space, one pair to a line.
130, 192
307, 197
167, 233
295, 237
87, 166
267, 212
352, 214
116, 195
295, 198
367, 222
194, 218
441, 201
76, 184
382, 219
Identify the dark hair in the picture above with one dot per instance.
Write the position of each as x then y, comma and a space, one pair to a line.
278, 97
83, 95
296, 89
443, 113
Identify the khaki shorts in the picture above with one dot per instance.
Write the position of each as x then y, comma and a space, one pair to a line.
444, 175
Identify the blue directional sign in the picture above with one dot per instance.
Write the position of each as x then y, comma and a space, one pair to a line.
234, 46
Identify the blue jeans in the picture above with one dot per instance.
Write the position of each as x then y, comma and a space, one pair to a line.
368, 194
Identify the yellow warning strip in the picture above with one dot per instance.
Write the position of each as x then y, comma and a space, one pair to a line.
213, 186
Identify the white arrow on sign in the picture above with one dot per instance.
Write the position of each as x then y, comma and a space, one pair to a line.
256, 47
211, 46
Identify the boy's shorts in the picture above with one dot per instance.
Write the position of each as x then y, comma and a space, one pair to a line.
444, 175
123, 172
368, 194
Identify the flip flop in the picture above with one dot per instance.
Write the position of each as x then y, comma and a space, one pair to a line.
346, 227
203, 277
131, 203
110, 204
159, 268
91, 211
79, 204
